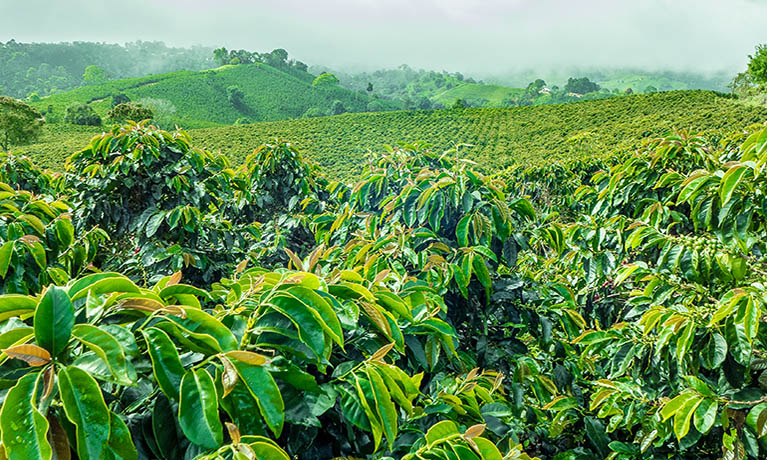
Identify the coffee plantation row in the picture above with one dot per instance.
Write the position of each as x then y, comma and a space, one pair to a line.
158, 302
497, 137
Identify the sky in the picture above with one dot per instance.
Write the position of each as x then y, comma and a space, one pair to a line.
476, 36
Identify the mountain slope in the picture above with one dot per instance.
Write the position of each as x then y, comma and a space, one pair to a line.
500, 136
200, 98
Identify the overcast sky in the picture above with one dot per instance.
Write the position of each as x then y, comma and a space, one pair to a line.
478, 36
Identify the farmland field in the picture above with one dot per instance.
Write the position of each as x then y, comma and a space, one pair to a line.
498, 136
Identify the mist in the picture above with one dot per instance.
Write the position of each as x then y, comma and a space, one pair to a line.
490, 37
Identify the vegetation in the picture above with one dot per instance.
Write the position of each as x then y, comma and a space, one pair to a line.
209, 98
129, 111
498, 137
594, 307
47, 68
19, 123
757, 65
78, 113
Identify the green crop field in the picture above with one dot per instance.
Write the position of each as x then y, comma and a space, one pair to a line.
200, 98
495, 95
499, 136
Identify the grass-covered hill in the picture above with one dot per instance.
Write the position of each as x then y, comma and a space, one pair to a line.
499, 136
201, 99
477, 94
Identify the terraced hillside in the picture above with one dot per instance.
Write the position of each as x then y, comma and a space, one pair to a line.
500, 137
200, 98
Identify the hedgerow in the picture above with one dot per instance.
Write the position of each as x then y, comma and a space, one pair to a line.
604, 308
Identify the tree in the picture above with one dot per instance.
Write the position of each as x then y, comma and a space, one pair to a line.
325, 79
580, 85
459, 104
650, 89
424, 103
313, 112
119, 98
337, 107
81, 114
19, 122
757, 65
370, 87
628, 91
235, 96
130, 111
221, 56
164, 111
94, 75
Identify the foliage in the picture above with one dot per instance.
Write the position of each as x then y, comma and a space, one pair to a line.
19, 123
129, 111
47, 68
580, 86
340, 355
202, 99
81, 114
757, 65
94, 75
324, 80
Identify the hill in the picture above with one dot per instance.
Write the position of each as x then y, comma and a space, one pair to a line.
199, 98
499, 136
477, 94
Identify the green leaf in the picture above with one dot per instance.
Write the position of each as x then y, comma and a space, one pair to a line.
730, 181
310, 329
671, 407
705, 415
120, 443
487, 449
65, 232
202, 326
325, 314
16, 305
268, 451
265, 391
441, 431
85, 408
24, 428
462, 231
54, 320
198, 410
107, 348
166, 364
6, 251
715, 352
683, 416
385, 408
106, 285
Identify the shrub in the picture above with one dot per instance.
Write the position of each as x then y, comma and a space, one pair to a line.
81, 114
129, 111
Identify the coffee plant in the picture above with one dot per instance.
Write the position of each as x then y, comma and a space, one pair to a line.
157, 302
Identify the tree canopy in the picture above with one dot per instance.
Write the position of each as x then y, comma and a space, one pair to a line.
19, 122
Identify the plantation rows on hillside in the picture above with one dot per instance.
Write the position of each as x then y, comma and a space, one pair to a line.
200, 98
499, 137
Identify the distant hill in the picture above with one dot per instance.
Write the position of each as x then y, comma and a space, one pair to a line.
477, 95
499, 136
200, 98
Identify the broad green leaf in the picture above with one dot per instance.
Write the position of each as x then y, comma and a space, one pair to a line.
441, 431
705, 415
487, 449
85, 408
683, 416
199, 322
166, 364
54, 320
24, 428
103, 286
671, 407
198, 410
385, 408
120, 445
268, 451
16, 305
265, 391
325, 314
107, 348
6, 252
310, 329
730, 181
